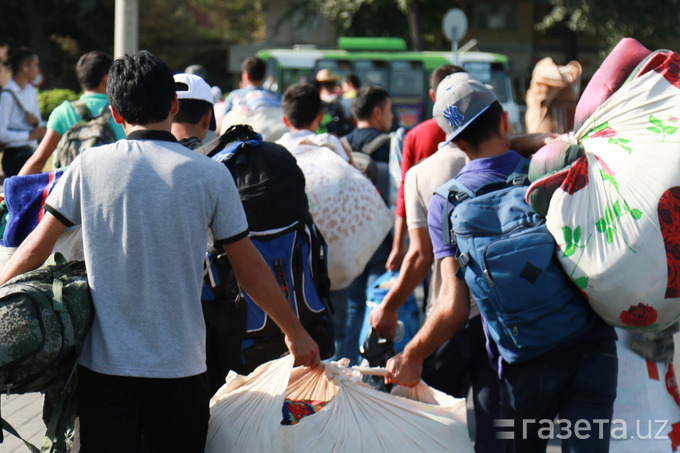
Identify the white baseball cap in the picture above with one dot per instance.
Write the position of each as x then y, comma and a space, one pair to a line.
190, 86
459, 100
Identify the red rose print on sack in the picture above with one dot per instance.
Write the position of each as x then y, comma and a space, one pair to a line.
668, 210
639, 315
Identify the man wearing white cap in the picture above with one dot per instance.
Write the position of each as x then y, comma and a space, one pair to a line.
191, 123
573, 378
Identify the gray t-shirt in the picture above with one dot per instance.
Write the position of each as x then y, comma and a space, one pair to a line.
145, 205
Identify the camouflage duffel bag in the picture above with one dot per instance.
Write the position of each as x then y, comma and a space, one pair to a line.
44, 317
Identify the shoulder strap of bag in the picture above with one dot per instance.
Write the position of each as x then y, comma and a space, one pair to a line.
372, 146
16, 99
82, 110
226, 145
454, 192
10, 429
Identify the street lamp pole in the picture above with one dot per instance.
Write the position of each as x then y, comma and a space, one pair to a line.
126, 34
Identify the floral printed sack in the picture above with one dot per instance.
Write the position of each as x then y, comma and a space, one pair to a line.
616, 212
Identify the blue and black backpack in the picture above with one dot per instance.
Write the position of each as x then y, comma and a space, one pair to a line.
241, 335
508, 259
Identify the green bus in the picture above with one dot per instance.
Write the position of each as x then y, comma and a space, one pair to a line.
387, 62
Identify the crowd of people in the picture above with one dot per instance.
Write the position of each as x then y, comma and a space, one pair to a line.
146, 201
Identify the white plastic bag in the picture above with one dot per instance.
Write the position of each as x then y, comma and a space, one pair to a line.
616, 217
345, 206
246, 413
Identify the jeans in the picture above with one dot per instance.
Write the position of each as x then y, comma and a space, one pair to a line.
130, 414
463, 361
577, 384
347, 330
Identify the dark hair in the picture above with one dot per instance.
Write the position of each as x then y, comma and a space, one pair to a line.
255, 67
141, 88
440, 74
301, 103
19, 56
329, 86
92, 67
367, 99
483, 127
353, 80
191, 111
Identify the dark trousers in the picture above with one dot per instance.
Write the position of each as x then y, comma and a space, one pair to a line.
15, 158
130, 414
463, 361
576, 384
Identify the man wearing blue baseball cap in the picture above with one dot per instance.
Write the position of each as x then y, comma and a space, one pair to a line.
569, 373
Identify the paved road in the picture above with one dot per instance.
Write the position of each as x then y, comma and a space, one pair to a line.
24, 413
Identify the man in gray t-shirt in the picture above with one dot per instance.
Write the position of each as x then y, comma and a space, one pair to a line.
145, 205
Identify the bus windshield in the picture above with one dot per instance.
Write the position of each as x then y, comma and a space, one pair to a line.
493, 74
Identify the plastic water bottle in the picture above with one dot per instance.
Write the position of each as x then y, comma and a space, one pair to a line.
399, 332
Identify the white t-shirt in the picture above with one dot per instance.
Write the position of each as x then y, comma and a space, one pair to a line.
145, 205
420, 183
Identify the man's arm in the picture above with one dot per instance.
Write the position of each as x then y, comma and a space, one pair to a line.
527, 144
36, 162
396, 258
448, 316
35, 249
414, 269
257, 280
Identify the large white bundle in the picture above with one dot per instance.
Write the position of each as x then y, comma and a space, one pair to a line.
246, 413
346, 207
616, 217
267, 121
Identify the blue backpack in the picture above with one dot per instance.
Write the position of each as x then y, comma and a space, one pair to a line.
508, 259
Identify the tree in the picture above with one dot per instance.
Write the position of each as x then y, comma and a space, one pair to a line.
180, 32
417, 21
650, 22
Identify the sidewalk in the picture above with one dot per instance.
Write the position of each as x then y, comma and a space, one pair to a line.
24, 413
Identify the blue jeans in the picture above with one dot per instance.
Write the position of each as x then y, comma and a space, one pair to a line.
576, 384
347, 330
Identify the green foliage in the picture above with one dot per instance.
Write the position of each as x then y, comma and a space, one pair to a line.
50, 99
647, 21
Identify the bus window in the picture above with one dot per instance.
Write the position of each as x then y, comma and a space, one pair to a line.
372, 72
406, 89
493, 74
406, 78
338, 67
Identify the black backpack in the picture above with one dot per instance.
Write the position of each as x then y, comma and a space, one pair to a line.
272, 189
335, 121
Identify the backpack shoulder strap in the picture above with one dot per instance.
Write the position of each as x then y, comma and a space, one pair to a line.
346, 144
226, 145
372, 146
16, 98
454, 192
82, 110
520, 175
